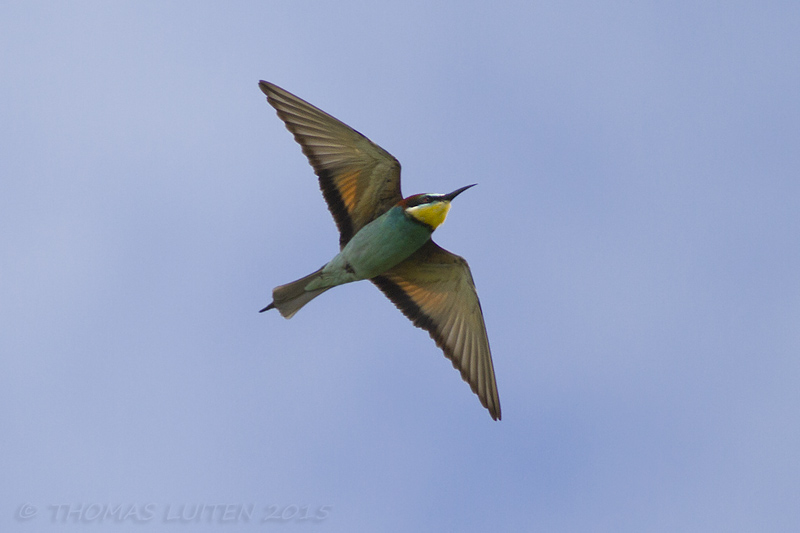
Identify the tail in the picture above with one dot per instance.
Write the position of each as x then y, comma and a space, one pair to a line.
289, 298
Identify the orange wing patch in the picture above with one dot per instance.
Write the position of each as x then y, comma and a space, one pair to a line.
347, 183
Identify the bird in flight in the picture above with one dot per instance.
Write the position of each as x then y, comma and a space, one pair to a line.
386, 239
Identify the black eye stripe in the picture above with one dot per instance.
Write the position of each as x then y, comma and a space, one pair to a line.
419, 201
424, 199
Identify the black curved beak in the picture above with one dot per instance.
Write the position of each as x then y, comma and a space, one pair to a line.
456, 192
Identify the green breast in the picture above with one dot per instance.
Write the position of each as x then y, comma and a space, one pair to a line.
384, 242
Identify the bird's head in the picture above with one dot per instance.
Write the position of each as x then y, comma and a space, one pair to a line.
430, 209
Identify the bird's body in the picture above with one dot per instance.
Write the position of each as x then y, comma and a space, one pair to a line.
387, 239
376, 248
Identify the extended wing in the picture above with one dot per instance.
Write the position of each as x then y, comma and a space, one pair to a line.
434, 289
359, 180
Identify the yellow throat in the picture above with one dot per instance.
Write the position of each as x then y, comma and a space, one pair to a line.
431, 214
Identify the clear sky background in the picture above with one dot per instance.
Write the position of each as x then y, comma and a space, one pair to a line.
635, 240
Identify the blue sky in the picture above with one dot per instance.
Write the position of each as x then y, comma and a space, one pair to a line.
634, 239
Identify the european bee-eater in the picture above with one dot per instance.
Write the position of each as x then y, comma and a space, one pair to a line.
386, 239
